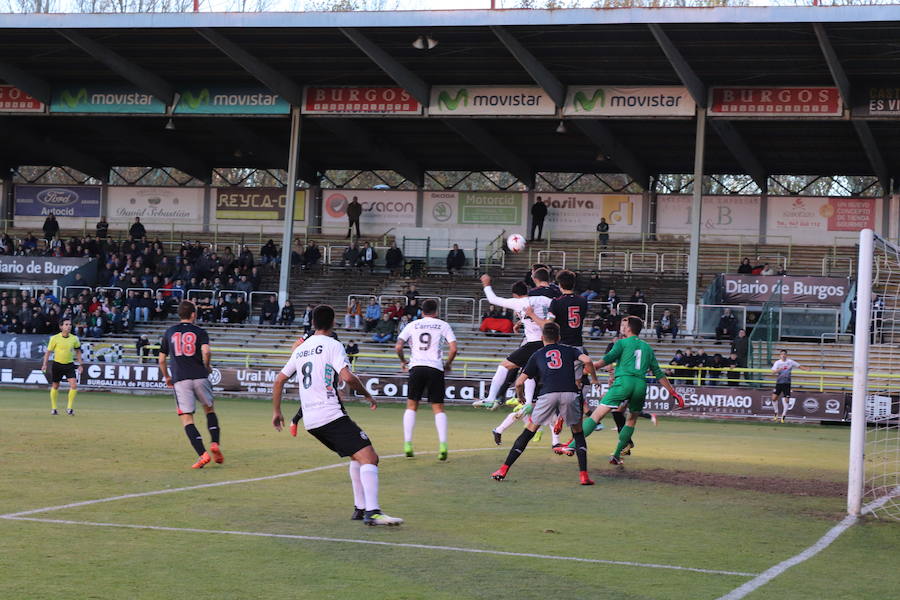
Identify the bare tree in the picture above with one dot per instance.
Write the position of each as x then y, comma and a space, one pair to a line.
32, 6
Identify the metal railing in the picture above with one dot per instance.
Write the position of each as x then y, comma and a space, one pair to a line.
831, 266
673, 262
612, 261
742, 317
558, 264
642, 309
666, 306
469, 314
643, 262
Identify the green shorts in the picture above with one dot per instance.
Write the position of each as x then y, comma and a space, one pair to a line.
627, 389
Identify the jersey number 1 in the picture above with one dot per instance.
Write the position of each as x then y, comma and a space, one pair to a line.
637, 360
184, 344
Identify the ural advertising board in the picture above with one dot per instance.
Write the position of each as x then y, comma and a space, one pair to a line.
257, 203
113, 99
155, 205
818, 220
724, 215
14, 100
476, 100
381, 210
359, 100
609, 101
230, 100
775, 102
62, 201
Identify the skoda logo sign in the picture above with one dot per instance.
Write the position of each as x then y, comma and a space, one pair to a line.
57, 197
442, 212
810, 405
215, 377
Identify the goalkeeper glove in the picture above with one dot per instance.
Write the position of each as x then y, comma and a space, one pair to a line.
679, 399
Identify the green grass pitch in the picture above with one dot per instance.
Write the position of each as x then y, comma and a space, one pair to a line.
724, 497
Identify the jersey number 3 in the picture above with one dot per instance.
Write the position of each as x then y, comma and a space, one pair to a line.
554, 360
184, 344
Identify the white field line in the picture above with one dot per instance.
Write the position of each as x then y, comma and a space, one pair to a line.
825, 541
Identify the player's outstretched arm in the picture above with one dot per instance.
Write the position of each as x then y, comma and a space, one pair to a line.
353, 382
679, 399
277, 389
520, 387
451, 355
493, 298
589, 367
164, 369
533, 316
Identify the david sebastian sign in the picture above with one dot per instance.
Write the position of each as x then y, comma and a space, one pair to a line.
37, 268
758, 289
257, 203
108, 99
609, 101
230, 100
62, 201
359, 100
474, 100
775, 102
14, 100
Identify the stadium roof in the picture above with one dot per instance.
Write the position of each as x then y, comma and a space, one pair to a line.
853, 49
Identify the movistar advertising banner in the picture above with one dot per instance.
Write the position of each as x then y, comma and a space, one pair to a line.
230, 100
609, 101
490, 101
102, 98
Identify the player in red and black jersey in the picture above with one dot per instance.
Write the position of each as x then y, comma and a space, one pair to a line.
189, 347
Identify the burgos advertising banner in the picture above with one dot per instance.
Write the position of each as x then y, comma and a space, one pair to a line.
471, 100
610, 101
381, 210
117, 99
359, 100
230, 100
62, 201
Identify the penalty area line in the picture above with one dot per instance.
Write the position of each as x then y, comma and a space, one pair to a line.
315, 538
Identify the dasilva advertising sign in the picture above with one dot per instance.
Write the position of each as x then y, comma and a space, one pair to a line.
230, 100
110, 99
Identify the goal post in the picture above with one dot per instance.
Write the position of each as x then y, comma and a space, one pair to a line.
856, 474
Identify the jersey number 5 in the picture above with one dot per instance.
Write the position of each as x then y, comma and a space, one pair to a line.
574, 317
184, 344
554, 360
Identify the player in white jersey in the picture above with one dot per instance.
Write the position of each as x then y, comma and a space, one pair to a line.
426, 368
519, 303
318, 363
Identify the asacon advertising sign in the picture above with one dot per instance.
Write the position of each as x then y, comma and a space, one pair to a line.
359, 100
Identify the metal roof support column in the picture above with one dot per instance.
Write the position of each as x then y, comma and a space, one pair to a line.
696, 206
289, 200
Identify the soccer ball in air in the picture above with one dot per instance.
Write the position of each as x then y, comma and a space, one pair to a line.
516, 243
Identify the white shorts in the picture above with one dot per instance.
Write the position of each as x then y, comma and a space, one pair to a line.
189, 391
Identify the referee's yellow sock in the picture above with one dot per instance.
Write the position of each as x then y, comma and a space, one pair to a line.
72, 394
54, 393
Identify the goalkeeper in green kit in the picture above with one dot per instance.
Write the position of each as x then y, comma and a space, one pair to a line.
633, 358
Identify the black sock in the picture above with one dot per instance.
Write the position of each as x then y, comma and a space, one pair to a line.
510, 379
519, 447
212, 423
298, 416
580, 450
195, 438
619, 418
645, 415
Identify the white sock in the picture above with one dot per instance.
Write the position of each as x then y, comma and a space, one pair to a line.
497, 382
530, 387
784, 403
509, 420
440, 423
359, 497
409, 423
368, 474
554, 437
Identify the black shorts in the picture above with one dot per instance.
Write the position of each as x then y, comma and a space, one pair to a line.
521, 355
342, 436
422, 379
783, 388
60, 371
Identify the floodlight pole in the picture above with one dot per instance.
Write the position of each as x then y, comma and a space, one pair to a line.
289, 201
696, 208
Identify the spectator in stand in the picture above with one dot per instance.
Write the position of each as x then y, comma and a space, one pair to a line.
353, 315
733, 376
411, 293
51, 227
145, 306
597, 327
134, 305
29, 243
255, 278
667, 324
394, 258
411, 312
717, 361
240, 311
142, 347
306, 321
612, 299
636, 309
395, 312
384, 331
603, 232
268, 253
137, 230
6, 244
781, 272
745, 268
703, 360
350, 257
118, 321
613, 322
244, 285
287, 314
538, 214
456, 259
677, 361
727, 328
102, 228
245, 260
373, 315
594, 287
352, 351
268, 313
312, 256
740, 347
496, 322
161, 306
690, 361
767, 270
297, 251
368, 256
96, 324
354, 212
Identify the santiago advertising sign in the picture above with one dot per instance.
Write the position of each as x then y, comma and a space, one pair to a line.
490, 100
609, 101
62, 201
230, 100
116, 99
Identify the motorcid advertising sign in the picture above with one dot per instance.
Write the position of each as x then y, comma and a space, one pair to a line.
775, 102
757, 289
156, 205
37, 268
62, 201
230, 100
359, 100
110, 99
257, 203
610, 101
381, 210
14, 100
476, 100
490, 208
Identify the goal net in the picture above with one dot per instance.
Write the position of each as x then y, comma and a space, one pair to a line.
874, 474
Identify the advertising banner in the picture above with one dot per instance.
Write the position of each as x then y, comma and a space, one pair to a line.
15, 345
257, 203
381, 210
820, 220
571, 216
448, 101
610, 101
757, 289
14, 100
103, 98
230, 100
359, 100
623, 212
155, 205
877, 102
490, 208
62, 201
725, 215
37, 268
775, 102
